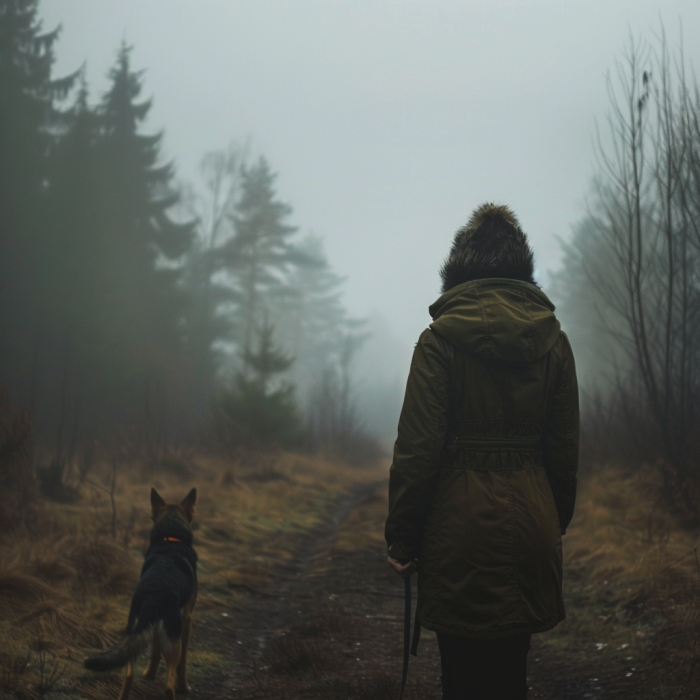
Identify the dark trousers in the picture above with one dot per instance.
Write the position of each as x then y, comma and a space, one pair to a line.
484, 669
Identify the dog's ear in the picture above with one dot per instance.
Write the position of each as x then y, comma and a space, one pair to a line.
188, 504
157, 504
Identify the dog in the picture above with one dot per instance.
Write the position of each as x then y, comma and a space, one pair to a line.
161, 609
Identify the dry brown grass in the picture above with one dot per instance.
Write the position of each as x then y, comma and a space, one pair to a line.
623, 534
66, 583
632, 582
365, 524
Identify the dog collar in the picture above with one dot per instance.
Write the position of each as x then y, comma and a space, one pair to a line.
171, 539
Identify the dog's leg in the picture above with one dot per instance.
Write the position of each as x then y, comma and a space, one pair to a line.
171, 652
128, 680
152, 668
182, 684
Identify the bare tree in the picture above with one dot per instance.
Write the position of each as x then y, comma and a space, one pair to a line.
334, 426
645, 214
212, 208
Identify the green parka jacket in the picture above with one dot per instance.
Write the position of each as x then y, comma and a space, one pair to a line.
483, 481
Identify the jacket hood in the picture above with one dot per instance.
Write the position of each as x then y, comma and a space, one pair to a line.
497, 319
491, 245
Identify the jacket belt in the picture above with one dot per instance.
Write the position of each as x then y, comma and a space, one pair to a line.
464, 443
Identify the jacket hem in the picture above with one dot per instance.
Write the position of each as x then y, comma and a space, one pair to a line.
476, 633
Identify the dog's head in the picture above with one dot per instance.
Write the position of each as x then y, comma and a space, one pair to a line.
184, 510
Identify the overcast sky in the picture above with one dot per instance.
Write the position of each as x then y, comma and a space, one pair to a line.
387, 121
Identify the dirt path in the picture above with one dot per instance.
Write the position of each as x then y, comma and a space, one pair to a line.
330, 626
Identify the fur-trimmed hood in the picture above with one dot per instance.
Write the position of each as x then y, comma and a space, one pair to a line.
497, 319
492, 244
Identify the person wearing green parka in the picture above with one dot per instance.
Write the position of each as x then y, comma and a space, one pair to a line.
483, 480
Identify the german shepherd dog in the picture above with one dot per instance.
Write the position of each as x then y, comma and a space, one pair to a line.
161, 609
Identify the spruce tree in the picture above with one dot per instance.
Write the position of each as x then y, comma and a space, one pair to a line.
141, 303
71, 283
137, 194
310, 316
29, 120
77, 250
258, 410
260, 252
269, 274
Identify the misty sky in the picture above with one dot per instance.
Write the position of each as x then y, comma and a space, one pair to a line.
387, 121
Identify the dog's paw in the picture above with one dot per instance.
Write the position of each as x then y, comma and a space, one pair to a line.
184, 687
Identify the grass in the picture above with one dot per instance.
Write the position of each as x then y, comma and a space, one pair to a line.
632, 582
66, 583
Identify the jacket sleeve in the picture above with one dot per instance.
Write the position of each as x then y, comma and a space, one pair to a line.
418, 448
561, 436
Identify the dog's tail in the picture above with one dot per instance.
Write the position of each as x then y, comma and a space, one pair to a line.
137, 639
129, 649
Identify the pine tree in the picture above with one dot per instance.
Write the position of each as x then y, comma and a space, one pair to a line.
77, 248
72, 289
259, 409
138, 316
27, 111
310, 315
137, 194
28, 122
269, 274
317, 330
260, 252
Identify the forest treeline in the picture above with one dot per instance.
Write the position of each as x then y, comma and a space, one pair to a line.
629, 288
140, 312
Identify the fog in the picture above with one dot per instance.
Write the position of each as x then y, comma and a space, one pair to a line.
380, 126
388, 122
221, 228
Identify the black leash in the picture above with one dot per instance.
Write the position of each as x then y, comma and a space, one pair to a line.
406, 632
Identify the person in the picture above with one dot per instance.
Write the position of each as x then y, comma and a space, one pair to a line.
483, 479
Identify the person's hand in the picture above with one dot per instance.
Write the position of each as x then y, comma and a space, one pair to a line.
404, 570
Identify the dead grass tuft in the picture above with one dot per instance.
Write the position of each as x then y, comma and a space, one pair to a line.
325, 624
293, 654
14, 665
103, 563
53, 569
55, 620
18, 590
